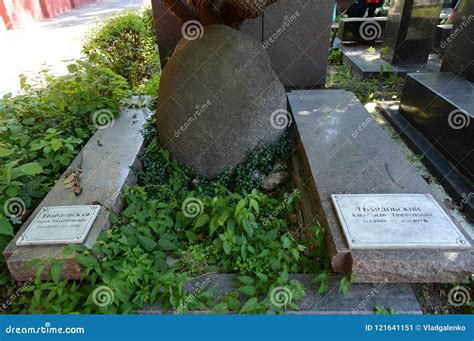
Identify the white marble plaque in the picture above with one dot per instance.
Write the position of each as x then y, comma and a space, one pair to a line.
60, 225
393, 221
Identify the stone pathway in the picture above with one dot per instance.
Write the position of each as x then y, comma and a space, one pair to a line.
53, 42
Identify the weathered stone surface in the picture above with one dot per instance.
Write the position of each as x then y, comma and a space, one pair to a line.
217, 97
105, 162
361, 299
296, 37
347, 152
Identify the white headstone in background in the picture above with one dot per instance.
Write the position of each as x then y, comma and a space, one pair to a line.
393, 221
60, 225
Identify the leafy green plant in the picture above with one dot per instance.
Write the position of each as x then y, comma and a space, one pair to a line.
54, 151
381, 310
32, 154
335, 57
345, 283
126, 44
390, 74
159, 242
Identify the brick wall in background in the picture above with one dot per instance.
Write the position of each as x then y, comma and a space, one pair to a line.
18, 13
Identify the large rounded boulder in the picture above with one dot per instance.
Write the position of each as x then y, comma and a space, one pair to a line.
219, 98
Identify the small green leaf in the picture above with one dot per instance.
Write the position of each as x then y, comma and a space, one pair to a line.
5, 151
56, 144
31, 168
22, 81
191, 236
201, 221
227, 247
166, 244
250, 305
55, 272
262, 276
248, 290
148, 243
254, 205
323, 280
5, 227
247, 280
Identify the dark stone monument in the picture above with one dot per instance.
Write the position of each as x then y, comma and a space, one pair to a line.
437, 113
459, 55
442, 37
441, 106
364, 31
296, 37
409, 32
293, 33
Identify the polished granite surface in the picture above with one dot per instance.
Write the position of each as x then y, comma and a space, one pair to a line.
459, 55
410, 30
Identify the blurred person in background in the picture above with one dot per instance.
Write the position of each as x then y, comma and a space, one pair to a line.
359, 8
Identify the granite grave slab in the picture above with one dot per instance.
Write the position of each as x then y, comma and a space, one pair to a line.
346, 152
361, 299
105, 162
366, 63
